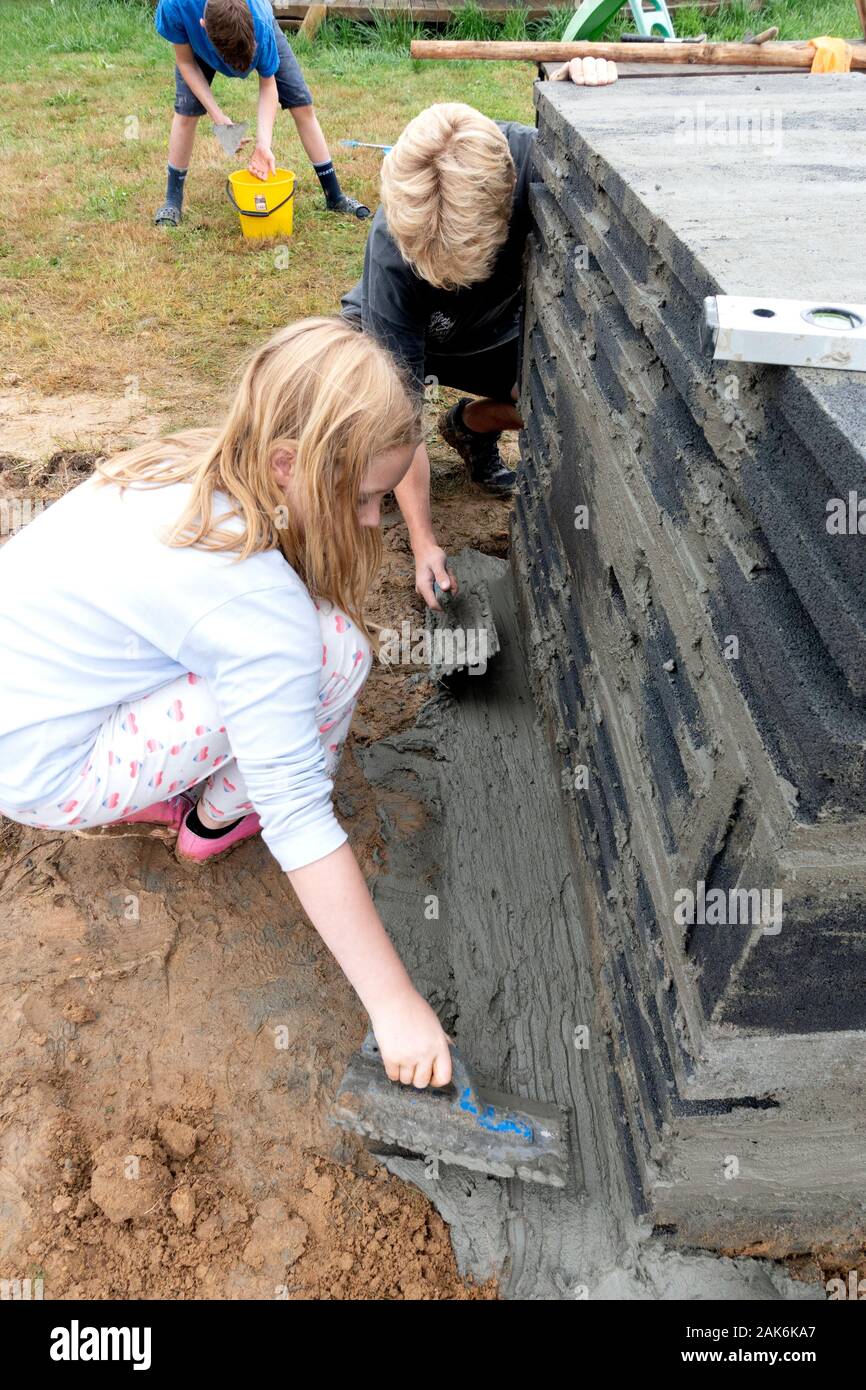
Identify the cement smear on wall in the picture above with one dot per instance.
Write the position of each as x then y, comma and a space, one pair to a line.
479, 896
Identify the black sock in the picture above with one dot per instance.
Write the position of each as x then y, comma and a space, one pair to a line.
327, 176
204, 831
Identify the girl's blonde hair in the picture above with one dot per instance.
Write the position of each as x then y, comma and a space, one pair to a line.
447, 191
338, 399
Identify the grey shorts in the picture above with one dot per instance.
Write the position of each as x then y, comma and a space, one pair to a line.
291, 87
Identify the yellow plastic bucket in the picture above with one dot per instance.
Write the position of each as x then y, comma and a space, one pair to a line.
264, 206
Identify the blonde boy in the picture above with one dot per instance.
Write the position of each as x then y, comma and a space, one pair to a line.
442, 287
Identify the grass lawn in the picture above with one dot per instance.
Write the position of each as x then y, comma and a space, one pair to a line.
91, 294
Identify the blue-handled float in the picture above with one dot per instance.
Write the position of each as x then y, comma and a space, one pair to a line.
489, 1132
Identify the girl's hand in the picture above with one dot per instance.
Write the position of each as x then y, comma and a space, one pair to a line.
412, 1041
262, 162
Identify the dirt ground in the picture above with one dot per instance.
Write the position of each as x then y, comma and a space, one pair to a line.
171, 1038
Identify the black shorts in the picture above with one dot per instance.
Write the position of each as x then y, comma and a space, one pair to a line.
492, 374
291, 87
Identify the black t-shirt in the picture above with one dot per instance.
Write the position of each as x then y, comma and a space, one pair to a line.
414, 320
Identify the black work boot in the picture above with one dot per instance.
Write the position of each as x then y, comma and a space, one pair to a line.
480, 452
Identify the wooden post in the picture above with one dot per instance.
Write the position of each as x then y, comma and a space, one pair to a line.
765, 55
861, 10
312, 21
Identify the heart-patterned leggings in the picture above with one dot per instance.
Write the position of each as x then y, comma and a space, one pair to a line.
173, 739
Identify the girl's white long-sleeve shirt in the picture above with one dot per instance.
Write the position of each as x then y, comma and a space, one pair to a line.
97, 610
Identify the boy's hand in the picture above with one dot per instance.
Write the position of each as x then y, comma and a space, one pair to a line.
262, 162
412, 1041
430, 568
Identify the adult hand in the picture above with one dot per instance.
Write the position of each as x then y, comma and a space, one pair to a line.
412, 1041
430, 567
587, 72
262, 162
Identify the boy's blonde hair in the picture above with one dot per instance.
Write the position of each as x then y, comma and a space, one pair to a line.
338, 399
447, 191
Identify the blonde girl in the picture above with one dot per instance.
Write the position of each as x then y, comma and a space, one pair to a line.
182, 643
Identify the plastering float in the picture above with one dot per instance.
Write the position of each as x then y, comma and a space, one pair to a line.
462, 635
231, 137
483, 1130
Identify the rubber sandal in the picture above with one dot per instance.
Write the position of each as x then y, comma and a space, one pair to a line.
345, 203
167, 216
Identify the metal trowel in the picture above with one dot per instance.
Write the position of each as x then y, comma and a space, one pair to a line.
231, 137
486, 1131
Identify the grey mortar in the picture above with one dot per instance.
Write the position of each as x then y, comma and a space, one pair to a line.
508, 965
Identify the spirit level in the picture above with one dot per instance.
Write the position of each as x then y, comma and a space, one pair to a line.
785, 332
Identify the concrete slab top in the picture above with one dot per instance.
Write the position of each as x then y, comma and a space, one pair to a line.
762, 177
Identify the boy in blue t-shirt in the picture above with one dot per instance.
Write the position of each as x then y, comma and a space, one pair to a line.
237, 37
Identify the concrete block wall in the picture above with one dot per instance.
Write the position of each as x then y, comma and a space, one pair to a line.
699, 635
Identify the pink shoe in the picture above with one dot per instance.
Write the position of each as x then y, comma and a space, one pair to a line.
194, 849
161, 821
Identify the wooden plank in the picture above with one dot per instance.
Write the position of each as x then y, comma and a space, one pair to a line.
294, 9
627, 70
293, 12
767, 55
423, 11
